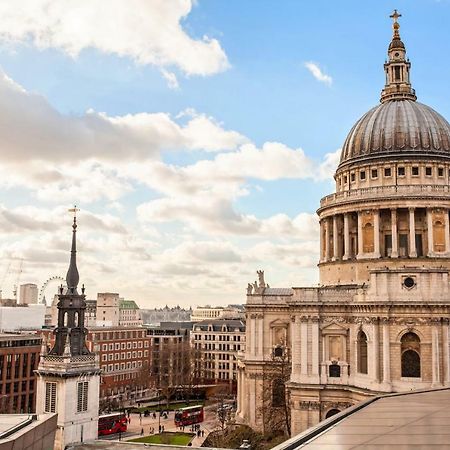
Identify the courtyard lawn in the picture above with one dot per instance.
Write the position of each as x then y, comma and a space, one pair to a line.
165, 438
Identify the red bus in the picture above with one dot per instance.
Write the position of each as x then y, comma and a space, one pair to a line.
189, 415
112, 423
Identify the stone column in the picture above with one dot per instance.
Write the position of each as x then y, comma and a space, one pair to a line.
322, 243
304, 346
360, 236
430, 232
446, 350
435, 366
315, 349
346, 237
327, 239
295, 348
447, 231
394, 252
412, 234
335, 238
252, 335
386, 353
376, 352
260, 336
376, 232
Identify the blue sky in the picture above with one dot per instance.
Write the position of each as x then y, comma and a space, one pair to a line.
194, 198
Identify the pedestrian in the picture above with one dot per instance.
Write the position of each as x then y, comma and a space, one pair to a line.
129, 420
203, 433
163, 428
140, 420
198, 433
140, 414
160, 428
142, 432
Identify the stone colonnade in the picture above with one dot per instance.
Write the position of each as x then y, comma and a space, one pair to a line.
343, 237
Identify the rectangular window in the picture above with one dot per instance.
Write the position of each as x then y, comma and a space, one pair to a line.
362, 175
387, 172
82, 396
415, 171
440, 171
50, 397
428, 171
345, 179
374, 173
352, 177
401, 171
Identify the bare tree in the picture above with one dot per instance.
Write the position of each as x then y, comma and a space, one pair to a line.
275, 409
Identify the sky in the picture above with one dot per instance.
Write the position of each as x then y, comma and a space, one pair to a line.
196, 137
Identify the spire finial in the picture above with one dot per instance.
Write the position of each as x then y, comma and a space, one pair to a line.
395, 25
395, 16
73, 277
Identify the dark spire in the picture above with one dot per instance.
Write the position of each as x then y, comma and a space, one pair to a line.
73, 277
398, 85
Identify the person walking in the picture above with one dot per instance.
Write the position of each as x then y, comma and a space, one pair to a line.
142, 432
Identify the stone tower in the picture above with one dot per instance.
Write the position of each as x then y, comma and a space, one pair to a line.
69, 375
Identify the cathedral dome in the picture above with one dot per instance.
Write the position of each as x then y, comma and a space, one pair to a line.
400, 127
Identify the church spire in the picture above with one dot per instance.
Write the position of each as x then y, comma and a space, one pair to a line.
398, 86
73, 277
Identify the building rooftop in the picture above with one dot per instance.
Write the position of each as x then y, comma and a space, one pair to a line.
128, 304
413, 420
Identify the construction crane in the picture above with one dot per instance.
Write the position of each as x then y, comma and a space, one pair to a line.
5, 274
16, 285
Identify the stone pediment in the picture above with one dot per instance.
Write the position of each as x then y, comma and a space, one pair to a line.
278, 323
334, 328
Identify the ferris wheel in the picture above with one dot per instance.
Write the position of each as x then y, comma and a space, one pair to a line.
52, 282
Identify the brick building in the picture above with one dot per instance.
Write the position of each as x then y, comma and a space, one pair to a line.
19, 357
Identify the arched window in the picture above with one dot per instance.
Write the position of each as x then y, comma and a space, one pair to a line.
362, 352
410, 348
331, 412
278, 393
278, 351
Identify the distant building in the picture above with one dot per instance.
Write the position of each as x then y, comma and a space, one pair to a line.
22, 317
217, 312
91, 313
28, 294
129, 314
157, 315
19, 357
217, 343
108, 309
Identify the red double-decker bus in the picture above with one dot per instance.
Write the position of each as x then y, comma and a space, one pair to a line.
189, 415
112, 423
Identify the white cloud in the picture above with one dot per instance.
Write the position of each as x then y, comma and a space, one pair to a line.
318, 74
149, 32
171, 79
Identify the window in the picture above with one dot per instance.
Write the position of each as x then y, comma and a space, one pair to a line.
415, 171
334, 371
331, 412
410, 348
345, 179
401, 171
352, 177
50, 397
387, 172
105, 347
362, 352
278, 393
278, 352
428, 171
82, 396
374, 173
440, 171
362, 175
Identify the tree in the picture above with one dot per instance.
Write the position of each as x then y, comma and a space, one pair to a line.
275, 409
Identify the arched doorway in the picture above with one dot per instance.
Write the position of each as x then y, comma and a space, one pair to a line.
410, 353
331, 412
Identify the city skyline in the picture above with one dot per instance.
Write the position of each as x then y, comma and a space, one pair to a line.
185, 190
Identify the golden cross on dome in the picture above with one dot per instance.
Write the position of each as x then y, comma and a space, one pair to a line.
395, 16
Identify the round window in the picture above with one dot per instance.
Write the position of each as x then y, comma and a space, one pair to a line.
409, 282
397, 54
